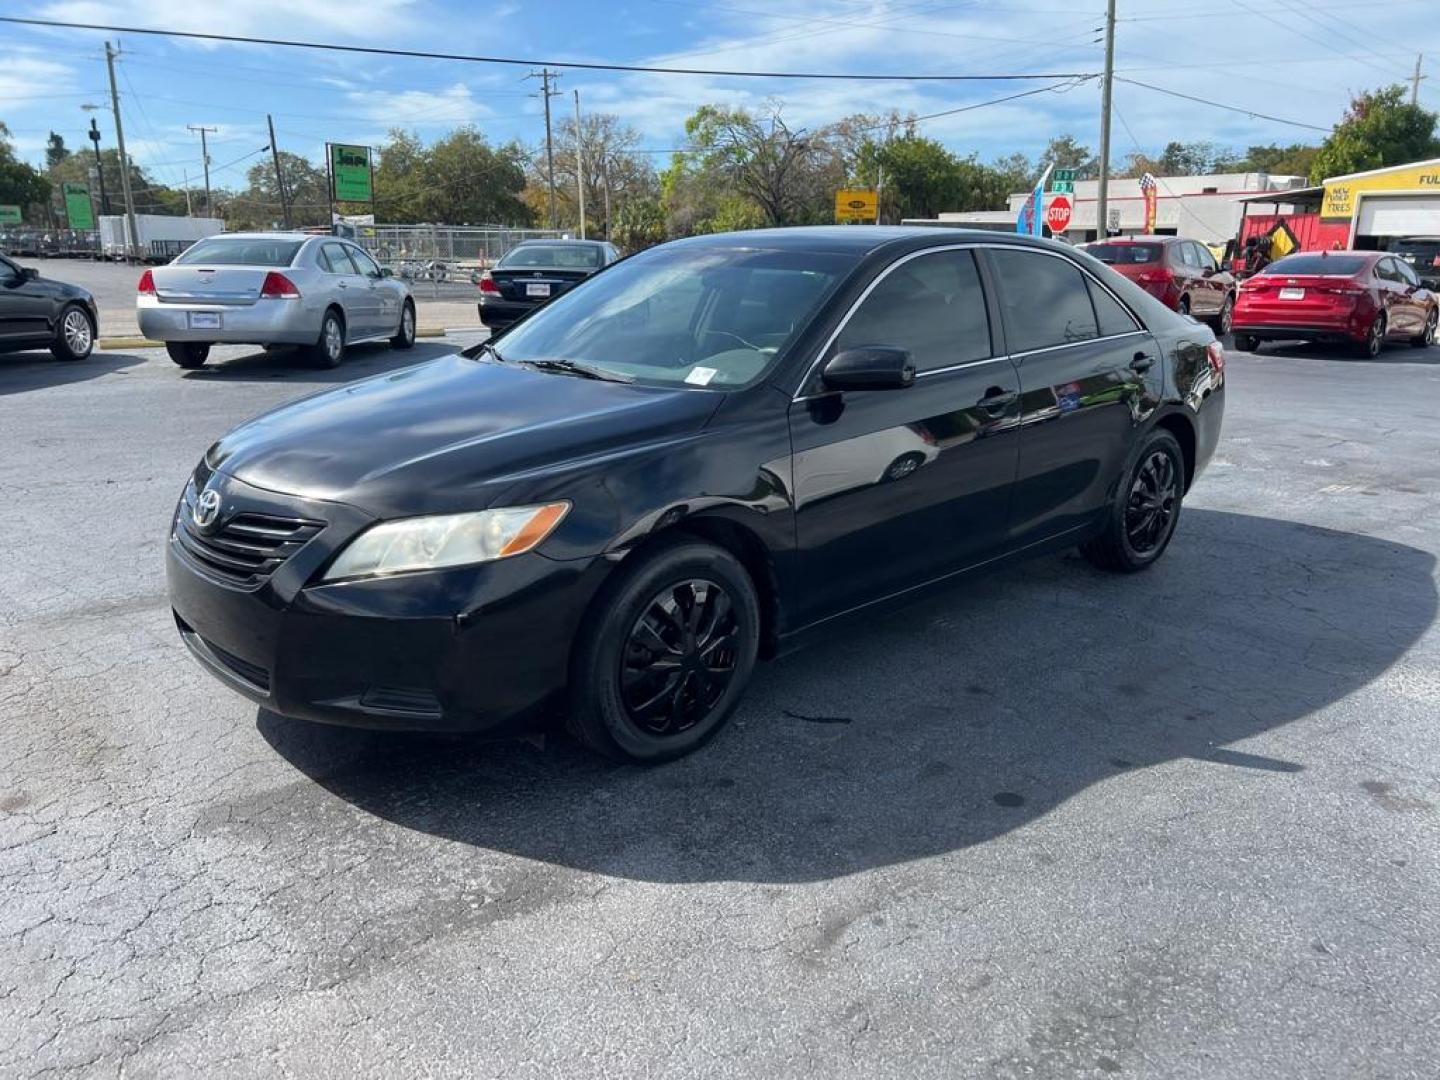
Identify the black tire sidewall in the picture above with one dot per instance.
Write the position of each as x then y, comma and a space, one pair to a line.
61, 347
595, 680
1156, 440
320, 354
189, 355
1246, 342
401, 340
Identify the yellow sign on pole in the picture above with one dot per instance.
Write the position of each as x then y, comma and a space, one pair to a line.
856, 204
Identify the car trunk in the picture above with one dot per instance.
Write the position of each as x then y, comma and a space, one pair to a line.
1306, 298
536, 284
1143, 264
199, 284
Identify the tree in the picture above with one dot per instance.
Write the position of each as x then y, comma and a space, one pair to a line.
20, 184
1064, 152
1016, 172
55, 151
1292, 160
615, 172
400, 177
150, 197
468, 182
639, 223
1380, 128
920, 178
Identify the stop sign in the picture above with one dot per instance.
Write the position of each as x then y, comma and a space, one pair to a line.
1057, 214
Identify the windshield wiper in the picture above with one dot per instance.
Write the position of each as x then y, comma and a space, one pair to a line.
485, 346
574, 367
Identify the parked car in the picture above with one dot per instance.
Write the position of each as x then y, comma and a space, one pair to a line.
38, 313
319, 292
533, 272
600, 508
1181, 274
1422, 253
1363, 298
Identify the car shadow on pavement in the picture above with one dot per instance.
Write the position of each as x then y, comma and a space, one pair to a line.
369, 358
38, 370
1391, 354
944, 725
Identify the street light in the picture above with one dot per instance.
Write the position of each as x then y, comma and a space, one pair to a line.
99, 168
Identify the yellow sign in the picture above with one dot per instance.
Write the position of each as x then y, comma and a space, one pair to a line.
855, 204
1342, 193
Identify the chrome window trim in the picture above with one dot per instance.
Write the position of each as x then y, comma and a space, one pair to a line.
1140, 329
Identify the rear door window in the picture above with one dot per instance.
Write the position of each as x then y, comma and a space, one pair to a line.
363, 262
1407, 275
1045, 300
932, 306
1206, 261
1188, 255
334, 259
1111, 314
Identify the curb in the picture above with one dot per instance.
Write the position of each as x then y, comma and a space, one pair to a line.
146, 343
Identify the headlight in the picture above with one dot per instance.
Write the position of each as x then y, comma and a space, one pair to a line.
429, 543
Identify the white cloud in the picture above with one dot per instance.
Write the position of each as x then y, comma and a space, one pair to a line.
375, 20
448, 107
28, 77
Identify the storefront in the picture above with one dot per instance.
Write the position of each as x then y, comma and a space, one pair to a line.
1384, 205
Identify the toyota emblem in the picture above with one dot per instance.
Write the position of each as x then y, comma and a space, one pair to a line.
207, 508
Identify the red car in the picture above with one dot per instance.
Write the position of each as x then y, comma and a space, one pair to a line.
1181, 273
1364, 298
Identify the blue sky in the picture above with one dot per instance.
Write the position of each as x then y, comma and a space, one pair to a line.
1228, 50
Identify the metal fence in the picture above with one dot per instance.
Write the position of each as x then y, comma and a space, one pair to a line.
443, 260
50, 243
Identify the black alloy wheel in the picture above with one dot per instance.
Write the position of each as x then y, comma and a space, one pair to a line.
665, 653
1154, 499
680, 657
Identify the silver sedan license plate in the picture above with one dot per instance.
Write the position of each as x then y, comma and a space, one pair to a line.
204, 320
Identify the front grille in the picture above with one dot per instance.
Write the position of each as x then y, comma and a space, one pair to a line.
247, 547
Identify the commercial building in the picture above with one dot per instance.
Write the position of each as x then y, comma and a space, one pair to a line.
1205, 208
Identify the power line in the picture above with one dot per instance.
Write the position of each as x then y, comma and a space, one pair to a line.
1221, 105
372, 50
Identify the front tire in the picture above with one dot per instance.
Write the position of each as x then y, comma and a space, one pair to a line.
405, 336
1426, 337
1246, 342
1143, 516
665, 655
75, 334
190, 355
329, 349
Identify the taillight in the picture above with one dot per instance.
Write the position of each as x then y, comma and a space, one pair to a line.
279, 287
487, 283
1216, 353
147, 284
1342, 290
1154, 277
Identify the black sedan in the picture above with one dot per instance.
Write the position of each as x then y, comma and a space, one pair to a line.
534, 271
683, 465
38, 313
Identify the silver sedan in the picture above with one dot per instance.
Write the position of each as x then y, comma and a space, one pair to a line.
319, 292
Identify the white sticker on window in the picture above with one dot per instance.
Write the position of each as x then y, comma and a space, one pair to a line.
700, 376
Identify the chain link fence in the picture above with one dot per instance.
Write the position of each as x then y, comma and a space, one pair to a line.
443, 261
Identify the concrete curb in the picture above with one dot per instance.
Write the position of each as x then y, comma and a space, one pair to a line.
146, 343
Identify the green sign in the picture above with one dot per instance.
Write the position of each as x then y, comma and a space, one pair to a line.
77, 206
350, 173
1066, 175
1063, 180
9, 215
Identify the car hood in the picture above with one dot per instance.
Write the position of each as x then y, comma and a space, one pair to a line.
449, 434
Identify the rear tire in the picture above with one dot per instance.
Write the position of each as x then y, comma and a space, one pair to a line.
1221, 325
190, 355
405, 336
329, 349
1183, 307
1246, 342
1141, 521
665, 654
1374, 341
1426, 337
75, 334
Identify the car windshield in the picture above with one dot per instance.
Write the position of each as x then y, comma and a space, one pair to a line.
1326, 265
1122, 254
683, 316
223, 251
556, 256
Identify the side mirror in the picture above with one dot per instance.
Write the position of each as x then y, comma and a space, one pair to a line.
870, 367
385, 272
28, 273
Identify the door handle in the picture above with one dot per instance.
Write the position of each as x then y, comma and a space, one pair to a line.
997, 400
1141, 362
342, 284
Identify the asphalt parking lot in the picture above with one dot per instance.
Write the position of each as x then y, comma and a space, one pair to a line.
1060, 824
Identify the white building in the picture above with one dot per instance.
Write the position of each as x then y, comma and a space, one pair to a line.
1204, 208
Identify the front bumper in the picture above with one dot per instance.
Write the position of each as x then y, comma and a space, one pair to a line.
480, 648
267, 321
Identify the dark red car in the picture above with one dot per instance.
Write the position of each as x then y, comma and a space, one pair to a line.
1363, 298
1181, 273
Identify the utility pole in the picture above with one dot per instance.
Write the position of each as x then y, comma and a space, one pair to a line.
99, 166
205, 158
134, 239
546, 76
189, 212
1102, 201
605, 180
1416, 80
580, 164
279, 177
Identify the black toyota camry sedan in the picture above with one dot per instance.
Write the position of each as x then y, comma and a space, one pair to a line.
38, 313
609, 512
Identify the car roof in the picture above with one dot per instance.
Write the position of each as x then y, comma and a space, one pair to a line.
1141, 238
862, 239
554, 241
